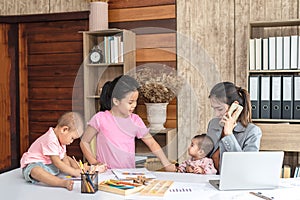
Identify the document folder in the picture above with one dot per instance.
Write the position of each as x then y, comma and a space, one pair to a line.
265, 97
276, 97
296, 97
287, 97
254, 95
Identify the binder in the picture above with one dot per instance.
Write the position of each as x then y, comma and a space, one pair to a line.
258, 53
279, 52
252, 54
265, 54
276, 97
294, 51
272, 53
265, 111
296, 97
286, 52
254, 95
287, 97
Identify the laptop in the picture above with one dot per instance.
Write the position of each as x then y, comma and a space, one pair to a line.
249, 170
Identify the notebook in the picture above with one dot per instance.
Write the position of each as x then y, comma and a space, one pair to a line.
249, 170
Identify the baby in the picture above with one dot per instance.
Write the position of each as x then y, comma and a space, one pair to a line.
201, 146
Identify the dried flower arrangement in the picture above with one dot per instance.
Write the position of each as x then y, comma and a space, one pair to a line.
158, 83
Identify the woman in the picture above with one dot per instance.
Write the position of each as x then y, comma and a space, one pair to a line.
234, 136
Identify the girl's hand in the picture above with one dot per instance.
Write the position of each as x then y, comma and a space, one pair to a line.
100, 168
170, 168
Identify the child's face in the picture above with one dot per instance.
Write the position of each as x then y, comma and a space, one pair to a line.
67, 136
126, 106
219, 107
194, 148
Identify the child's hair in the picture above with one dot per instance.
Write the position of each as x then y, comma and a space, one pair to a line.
73, 120
204, 142
228, 92
118, 88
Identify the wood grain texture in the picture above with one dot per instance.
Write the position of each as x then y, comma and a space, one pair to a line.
278, 137
156, 55
114, 4
23, 85
156, 40
5, 100
143, 13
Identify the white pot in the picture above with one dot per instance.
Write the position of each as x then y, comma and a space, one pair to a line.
98, 18
156, 116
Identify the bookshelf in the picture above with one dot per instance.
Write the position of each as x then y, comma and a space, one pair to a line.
278, 134
118, 58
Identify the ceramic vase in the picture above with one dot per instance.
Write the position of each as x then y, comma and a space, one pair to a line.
156, 116
98, 18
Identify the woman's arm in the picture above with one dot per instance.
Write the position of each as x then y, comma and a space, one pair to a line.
156, 149
85, 145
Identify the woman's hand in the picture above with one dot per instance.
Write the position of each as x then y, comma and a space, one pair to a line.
229, 123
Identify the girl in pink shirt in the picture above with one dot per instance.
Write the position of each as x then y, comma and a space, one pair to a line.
116, 127
201, 146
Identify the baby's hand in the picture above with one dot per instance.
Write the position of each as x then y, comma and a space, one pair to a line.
198, 170
189, 169
77, 172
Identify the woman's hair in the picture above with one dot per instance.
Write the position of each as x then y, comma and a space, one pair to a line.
228, 92
118, 88
205, 143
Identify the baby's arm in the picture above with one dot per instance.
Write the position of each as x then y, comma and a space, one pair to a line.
65, 166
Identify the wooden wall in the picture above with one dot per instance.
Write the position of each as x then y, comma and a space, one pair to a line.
212, 47
50, 78
5, 106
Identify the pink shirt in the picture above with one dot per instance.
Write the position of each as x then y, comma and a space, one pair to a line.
42, 148
205, 163
115, 138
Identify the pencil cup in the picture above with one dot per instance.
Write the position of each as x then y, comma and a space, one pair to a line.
89, 183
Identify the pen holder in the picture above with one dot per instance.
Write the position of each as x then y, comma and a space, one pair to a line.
89, 183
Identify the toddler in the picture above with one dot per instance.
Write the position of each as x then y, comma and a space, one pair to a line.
46, 157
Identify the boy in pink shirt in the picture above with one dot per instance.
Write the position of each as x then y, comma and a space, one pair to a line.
47, 157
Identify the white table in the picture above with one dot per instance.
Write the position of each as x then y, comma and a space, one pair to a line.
14, 187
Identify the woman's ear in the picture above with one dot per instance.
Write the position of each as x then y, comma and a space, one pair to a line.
115, 101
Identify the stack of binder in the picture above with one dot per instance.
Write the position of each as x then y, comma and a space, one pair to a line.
274, 53
275, 97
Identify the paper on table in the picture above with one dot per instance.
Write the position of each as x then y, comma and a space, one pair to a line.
132, 173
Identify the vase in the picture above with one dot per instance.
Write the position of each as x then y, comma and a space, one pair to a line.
156, 116
98, 18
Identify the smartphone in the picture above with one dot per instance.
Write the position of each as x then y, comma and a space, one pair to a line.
234, 107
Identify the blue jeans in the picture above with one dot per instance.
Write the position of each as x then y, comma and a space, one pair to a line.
49, 168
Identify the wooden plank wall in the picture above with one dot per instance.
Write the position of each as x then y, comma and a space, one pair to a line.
216, 32
5, 105
51, 69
